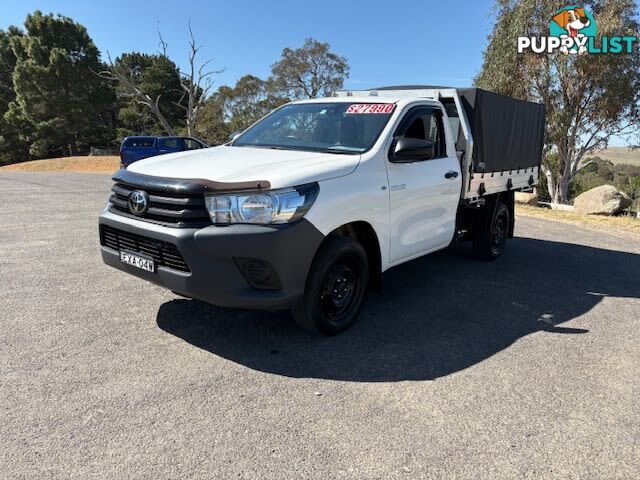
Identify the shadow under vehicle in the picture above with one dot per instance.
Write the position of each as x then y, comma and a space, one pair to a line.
439, 315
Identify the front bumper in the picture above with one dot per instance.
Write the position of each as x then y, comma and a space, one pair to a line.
211, 254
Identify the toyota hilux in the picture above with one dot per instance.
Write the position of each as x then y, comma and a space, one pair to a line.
307, 208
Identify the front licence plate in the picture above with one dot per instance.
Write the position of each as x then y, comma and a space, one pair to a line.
137, 261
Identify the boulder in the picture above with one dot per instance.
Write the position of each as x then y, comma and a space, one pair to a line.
527, 198
561, 207
602, 200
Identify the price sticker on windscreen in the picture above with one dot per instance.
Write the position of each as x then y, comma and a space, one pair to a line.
371, 108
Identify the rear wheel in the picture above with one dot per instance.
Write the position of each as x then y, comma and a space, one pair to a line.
335, 288
490, 240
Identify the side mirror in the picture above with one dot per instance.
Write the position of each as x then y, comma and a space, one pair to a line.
234, 135
405, 150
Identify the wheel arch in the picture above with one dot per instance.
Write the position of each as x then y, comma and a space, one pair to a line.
471, 219
366, 235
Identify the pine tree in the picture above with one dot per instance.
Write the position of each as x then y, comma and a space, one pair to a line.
61, 105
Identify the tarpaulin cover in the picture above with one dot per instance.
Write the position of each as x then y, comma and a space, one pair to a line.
508, 134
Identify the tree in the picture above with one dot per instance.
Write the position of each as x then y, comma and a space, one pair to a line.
310, 71
234, 109
7, 65
211, 126
588, 98
59, 104
598, 171
147, 81
195, 82
247, 102
193, 85
149, 90
12, 147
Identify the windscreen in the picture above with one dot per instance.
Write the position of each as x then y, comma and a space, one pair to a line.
325, 127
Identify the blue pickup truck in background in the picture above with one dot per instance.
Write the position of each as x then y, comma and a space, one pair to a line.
133, 149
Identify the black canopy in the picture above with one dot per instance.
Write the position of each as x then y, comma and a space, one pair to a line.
508, 134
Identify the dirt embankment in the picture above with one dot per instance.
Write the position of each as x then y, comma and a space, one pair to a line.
106, 164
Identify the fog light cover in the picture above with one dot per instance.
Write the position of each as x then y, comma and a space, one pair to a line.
258, 273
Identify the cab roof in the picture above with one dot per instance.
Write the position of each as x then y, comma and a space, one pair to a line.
362, 99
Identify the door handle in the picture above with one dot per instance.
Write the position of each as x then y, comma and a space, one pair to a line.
451, 174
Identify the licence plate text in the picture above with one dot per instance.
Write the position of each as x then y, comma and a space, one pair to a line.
137, 261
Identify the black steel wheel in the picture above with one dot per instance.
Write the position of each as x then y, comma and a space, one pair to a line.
489, 242
499, 231
335, 288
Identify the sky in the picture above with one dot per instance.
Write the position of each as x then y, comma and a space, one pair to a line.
418, 42
427, 42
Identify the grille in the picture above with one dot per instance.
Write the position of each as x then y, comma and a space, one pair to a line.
164, 254
165, 208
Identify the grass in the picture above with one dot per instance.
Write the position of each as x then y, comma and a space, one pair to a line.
598, 222
618, 155
106, 164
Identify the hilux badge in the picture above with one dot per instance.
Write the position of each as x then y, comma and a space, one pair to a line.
138, 202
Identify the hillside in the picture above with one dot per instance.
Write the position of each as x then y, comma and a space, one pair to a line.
619, 155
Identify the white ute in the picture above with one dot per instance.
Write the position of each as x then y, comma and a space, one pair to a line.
309, 206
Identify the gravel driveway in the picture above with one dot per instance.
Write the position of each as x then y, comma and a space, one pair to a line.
526, 367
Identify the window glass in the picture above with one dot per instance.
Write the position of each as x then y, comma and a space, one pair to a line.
426, 124
191, 144
339, 127
172, 143
139, 142
454, 123
433, 131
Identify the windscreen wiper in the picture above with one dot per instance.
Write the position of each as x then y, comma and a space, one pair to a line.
339, 150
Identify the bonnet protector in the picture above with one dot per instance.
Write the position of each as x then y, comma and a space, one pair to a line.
185, 185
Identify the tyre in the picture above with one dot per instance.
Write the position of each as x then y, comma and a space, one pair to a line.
335, 288
491, 238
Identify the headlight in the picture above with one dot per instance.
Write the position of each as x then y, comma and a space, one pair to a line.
275, 206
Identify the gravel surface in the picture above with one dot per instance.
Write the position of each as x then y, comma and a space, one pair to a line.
526, 367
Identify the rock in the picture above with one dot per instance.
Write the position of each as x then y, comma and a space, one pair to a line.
527, 198
561, 207
602, 200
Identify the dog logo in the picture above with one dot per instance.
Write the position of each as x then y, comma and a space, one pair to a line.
573, 30
574, 23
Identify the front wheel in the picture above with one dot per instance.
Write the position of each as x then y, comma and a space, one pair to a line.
335, 288
490, 241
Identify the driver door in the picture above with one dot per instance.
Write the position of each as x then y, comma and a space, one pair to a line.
424, 193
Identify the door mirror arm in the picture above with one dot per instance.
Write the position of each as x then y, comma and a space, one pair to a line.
409, 150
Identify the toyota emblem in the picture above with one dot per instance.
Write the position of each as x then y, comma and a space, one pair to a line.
138, 202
